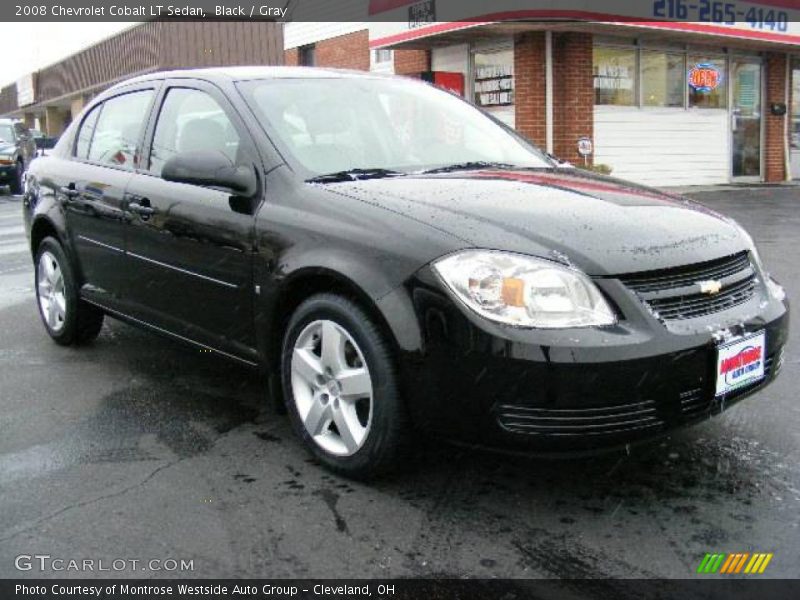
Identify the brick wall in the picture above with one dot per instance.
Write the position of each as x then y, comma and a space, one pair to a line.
573, 93
349, 51
529, 84
411, 62
775, 132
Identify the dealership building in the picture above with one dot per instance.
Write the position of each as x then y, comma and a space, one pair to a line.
54, 95
711, 99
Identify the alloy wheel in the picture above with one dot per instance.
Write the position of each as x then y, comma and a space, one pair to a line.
332, 387
51, 291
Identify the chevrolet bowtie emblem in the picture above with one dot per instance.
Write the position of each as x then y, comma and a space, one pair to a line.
710, 287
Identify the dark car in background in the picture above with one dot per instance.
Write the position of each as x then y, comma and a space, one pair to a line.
43, 142
394, 259
17, 150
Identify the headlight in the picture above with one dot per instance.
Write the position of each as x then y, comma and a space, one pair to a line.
524, 291
776, 289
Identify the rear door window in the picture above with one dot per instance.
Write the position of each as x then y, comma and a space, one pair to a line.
118, 132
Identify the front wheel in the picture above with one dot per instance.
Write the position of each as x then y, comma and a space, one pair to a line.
67, 318
340, 387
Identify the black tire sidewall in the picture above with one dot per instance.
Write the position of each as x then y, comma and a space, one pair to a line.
16, 184
66, 335
387, 416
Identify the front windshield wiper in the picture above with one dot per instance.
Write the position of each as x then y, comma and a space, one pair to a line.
471, 165
354, 175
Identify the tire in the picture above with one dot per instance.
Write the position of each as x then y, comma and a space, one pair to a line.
16, 184
66, 318
353, 434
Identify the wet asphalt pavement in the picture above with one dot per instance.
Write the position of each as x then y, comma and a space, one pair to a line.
136, 447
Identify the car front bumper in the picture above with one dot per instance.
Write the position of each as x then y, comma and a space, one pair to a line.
578, 390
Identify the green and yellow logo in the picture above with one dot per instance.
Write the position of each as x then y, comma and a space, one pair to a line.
741, 562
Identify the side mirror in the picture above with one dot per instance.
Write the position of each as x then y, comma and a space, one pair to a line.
210, 168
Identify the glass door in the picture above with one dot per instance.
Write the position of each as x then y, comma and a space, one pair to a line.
746, 118
794, 120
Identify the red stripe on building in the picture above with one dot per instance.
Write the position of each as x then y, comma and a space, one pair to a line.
377, 7
580, 15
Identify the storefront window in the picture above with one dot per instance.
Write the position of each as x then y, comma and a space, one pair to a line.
615, 76
306, 56
493, 85
381, 55
494, 78
708, 85
663, 79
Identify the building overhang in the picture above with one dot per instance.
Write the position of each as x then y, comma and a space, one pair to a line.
393, 27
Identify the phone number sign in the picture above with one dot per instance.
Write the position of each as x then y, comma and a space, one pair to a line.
723, 13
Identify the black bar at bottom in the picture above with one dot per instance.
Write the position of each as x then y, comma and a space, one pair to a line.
733, 588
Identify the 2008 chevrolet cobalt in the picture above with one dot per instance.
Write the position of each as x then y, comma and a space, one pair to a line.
395, 259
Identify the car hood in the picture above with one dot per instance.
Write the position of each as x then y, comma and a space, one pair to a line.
6, 148
602, 225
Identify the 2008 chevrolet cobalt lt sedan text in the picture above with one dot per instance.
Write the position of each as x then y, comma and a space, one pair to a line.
395, 259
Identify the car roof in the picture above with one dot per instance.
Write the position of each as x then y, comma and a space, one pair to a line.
244, 73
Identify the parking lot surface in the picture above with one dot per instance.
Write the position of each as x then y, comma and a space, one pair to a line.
139, 448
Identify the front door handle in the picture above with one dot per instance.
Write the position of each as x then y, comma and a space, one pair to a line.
142, 208
69, 191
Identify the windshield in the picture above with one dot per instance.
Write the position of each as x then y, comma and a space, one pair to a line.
333, 125
6, 132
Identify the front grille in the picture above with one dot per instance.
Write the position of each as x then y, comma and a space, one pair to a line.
578, 421
695, 403
697, 305
675, 293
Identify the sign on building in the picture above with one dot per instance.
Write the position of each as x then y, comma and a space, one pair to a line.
25, 93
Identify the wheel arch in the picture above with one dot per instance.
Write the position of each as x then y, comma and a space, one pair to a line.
310, 281
41, 228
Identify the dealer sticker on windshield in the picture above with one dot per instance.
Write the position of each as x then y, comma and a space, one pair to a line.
740, 363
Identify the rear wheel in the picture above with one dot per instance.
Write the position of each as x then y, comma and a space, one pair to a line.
67, 318
340, 387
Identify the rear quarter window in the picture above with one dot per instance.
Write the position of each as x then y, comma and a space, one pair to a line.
84, 137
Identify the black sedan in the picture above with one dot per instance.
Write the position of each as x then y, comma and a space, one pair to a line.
396, 260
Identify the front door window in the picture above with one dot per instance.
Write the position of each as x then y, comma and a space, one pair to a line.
746, 118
